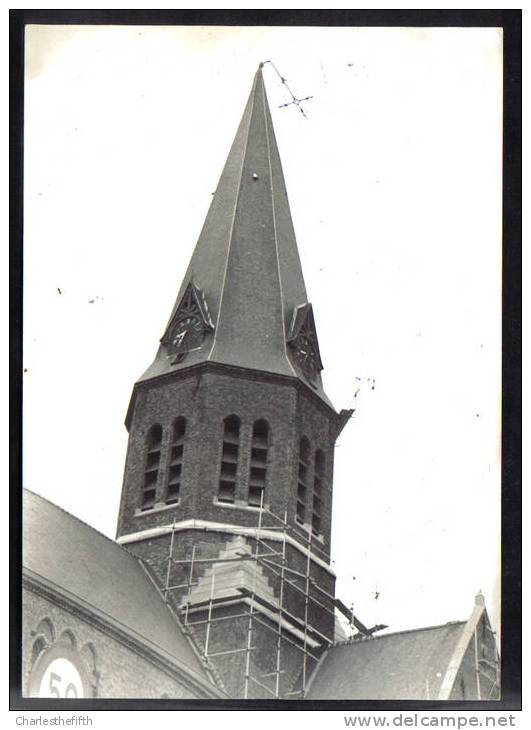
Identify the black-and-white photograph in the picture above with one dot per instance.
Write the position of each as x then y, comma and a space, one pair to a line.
262, 363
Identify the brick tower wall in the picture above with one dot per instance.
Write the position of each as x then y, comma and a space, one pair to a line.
204, 398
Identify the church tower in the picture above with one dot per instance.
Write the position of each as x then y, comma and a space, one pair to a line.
227, 492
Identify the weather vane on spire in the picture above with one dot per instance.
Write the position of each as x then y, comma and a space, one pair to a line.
294, 100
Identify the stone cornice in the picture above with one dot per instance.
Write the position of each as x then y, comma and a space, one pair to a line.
231, 529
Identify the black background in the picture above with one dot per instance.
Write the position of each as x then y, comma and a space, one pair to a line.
511, 615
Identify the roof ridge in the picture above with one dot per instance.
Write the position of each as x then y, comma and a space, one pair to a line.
398, 633
275, 230
78, 519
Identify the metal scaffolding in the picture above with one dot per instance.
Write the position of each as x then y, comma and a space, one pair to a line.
274, 616
480, 663
274, 561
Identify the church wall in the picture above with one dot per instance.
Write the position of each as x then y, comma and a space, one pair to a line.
114, 669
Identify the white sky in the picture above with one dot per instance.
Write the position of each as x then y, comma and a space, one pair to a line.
394, 183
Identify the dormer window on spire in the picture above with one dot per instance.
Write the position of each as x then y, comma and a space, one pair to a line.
188, 326
303, 344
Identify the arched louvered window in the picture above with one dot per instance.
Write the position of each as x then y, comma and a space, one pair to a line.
151, 473
258, 470
318, 485
229, 459
175, 468
302, 482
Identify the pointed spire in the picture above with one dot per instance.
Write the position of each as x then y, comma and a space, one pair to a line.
245, 269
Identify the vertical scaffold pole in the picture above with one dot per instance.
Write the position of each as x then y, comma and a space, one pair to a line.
306, 602
280, 601
251, 607
170, 560
209, 621
190, 580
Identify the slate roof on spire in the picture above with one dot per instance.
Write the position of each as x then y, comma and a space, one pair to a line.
246, 263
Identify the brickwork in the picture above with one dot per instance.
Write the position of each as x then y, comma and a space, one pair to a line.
205, 399
232, 635
205, 396
114, 669
227, 635
155, 553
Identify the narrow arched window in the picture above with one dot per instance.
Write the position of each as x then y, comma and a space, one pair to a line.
39, 645
173, 490
151, 473
229, 459
302, 481
258, 469
318, 484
